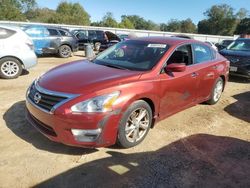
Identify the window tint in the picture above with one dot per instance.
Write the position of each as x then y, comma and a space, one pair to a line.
182, 54
53, 32
202, 53
100, 35
5, 33
92, 34
81, 34
65, 33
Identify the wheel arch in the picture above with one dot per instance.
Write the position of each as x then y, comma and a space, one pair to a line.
10, 56
224, 81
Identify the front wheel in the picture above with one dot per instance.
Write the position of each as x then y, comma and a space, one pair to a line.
217, 91
64, 51
10, 68
135, 124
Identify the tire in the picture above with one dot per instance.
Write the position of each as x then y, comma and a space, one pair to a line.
64, 51
10, 68
97, 46
131, 131
216, 92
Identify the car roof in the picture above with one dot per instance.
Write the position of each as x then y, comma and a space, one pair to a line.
248, 39
165, 40
15, 28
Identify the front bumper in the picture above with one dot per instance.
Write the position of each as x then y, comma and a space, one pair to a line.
57, 127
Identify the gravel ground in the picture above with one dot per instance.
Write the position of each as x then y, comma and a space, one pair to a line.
204, 146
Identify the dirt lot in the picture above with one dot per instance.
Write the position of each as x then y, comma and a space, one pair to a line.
204, 146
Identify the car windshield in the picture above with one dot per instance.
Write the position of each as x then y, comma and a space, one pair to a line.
240, 45
132, 55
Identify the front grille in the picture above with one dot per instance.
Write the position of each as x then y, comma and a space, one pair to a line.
41, 126
45, 101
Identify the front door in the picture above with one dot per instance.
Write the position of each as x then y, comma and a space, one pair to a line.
178, 89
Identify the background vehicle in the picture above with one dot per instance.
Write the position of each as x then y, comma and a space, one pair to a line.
52, 40
96, 37
238, 53
121, 94
16, 52
212, 45
123, 36
223, 44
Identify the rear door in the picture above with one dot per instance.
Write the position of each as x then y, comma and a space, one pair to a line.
206, 66
55, 40
179, 89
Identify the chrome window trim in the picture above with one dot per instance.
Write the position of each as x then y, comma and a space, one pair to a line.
52, 93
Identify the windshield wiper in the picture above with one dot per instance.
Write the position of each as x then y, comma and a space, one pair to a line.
115, 66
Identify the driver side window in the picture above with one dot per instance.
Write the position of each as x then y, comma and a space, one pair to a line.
182, 54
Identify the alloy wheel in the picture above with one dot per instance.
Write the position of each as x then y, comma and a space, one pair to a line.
10, 68
137, 125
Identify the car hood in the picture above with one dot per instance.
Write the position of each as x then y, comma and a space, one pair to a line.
83, 76
227, 52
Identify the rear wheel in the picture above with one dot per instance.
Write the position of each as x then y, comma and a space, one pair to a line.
217, 91
10, 68
65, 51
135, 124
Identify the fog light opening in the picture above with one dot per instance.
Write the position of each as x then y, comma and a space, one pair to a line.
82, 135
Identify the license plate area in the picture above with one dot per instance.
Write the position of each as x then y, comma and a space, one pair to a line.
233, 69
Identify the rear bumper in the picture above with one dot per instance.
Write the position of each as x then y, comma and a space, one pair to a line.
57, 127
29, 60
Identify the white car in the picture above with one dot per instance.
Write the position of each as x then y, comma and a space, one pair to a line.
16, 52
212, 45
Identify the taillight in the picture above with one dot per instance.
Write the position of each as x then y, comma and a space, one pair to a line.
30, 44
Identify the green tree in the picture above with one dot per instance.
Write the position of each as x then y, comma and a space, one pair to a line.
163, 27
108, 20
126, 23
243, 27
221, 20
72, 13
43, 15
138, 22
187, 26
14, 9
174, 26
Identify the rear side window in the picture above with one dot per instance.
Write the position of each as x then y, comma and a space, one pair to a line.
92, 34
65, 33
53, 32
100, 35
202, 53
5, 33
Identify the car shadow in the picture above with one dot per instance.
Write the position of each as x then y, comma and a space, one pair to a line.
199, 160
240, 108
16, 121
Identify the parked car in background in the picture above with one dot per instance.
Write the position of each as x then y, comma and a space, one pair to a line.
124, 91
16, 52
238, 53
96, 37
223, 44
52, 40
123, 36
212, 45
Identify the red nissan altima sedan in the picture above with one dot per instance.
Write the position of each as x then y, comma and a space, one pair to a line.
122, 93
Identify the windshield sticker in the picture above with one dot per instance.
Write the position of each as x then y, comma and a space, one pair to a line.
157, 45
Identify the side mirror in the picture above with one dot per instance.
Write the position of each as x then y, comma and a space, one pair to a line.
175, 67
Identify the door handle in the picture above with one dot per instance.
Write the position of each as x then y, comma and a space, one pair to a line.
194, 75
215, 66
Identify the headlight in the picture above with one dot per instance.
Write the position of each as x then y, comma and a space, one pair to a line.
102, 103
